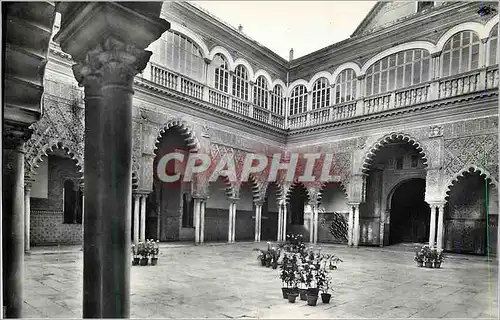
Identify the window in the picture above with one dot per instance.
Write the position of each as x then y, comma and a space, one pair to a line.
182, 55
69, 202
493, 45
321, 94
397, 71
260, 93
345, 88
399, 163
460, 54
298, 100
277, 100
240, 82
423, 5
187, 211
414, 161
221, 73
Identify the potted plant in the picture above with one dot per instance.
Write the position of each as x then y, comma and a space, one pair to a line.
135, 256
154, 250
438, 258
142, 251
289, 276
324, 284
275, 255
419, 257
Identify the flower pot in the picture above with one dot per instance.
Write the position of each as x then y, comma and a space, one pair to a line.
285, 292
135, 261
268, 264
325, 297
420, 263
144, 261
263, 262
437, 264
274, 265
154, 261
428, 264
303, 294
313, 291
312, 299
292, 297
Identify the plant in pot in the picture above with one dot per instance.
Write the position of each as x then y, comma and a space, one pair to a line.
289, 277
154, 247
429, 257
135, 256
302, 281
419, 257
324, 284
142, 251
262, 256
438, 258
285, 275
275, 255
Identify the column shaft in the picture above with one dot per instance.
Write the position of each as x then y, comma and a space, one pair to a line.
136, 218
233, 234
285, 219
230, 222
202, 220
311, 225
142, 211
440, 226
280, 215
259, 225
316, 224
432, 233
13, 230
356, 226
256, 223
197, 220
350, 227
27, 213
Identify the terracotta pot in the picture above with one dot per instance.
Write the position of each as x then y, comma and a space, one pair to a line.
428, 264
144, 261
312, 299
274, 265
292, 297
154, 261
420, 263
325, 297
135, 261
313, 291
303, 294
285, 292
437, 264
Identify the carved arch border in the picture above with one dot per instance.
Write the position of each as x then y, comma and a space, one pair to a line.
468, 169
186, 130
388, 138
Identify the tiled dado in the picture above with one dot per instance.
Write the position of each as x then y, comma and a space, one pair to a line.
47, 227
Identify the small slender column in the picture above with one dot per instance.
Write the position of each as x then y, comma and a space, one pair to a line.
27, 213
143, 216
82, 189
260, 224
432, 233
311, 225
285, 220
280, 223
315, 224
350, 227
197, 219
230, 224
356, 225
203, 205
440, 226
136, 218
13, 222
258, 213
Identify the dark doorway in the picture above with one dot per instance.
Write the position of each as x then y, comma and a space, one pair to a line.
410, 214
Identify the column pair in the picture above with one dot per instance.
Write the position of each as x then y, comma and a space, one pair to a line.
258, 220
139, 217
433, 240
231, 238
313, 224
353, 226
199, 206
282, 219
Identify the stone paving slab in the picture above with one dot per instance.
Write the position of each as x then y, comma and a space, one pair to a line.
227, 281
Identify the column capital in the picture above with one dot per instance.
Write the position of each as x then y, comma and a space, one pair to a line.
14, 136
259, 202
234, 199
207, 60
28, 183
202, 197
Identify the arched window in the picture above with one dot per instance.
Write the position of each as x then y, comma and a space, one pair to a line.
260, 93
298, 100
397, 71
460, 54
493, 45
240, 82
321, 94
345, 87
221, 72
183, 55
277, 100
69, 202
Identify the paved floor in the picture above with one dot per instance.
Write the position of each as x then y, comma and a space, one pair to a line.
227, 281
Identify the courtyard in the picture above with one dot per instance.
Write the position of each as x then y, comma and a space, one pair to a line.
227, 281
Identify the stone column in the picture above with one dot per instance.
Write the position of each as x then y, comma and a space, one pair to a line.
232, 221
143, 199
13, 198
440, 226
258, 220
315, 215
82, 189
136, 198
203, 205
355, 240
197, 219
432, 233
311, 224
280, 219
27, 213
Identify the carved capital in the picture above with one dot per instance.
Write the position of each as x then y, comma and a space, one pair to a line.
28, 183
14, 136
110, 63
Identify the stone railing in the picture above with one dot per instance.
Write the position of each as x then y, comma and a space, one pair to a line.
465, 83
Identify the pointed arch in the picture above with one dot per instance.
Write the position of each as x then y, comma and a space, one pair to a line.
469, 169
190, 138
324, 185
388, 138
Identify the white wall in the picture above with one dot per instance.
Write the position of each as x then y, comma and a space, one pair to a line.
40, 188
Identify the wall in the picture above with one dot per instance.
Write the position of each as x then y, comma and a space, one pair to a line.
40, 187
245, 215
217, 213
46, 220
